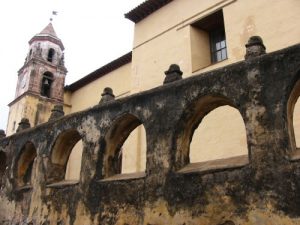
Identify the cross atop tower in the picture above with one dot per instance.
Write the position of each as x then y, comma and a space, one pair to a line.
54, 13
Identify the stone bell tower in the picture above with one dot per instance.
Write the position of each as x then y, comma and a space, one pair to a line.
40, 81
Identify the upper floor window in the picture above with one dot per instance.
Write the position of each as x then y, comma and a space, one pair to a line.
208, 41
51, 53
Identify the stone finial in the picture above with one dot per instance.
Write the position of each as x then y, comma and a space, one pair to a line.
24, 124
62, 60
228, 222
255, 47
2, 134
56, 112
107, 95
173, 73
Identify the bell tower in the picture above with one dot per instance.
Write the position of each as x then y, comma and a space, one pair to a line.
41, 81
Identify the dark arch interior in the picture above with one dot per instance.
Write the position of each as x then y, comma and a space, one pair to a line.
293, 97
60, 153
25, 164
63, 146
114, 140
2, 165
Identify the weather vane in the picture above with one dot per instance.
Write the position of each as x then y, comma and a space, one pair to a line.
54, 13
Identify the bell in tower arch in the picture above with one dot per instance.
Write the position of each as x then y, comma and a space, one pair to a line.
46, 84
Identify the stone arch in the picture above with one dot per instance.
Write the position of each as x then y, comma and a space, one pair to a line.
24, 164
124, 141
2, 165
204, 133
227, 222
67, 143
293, 108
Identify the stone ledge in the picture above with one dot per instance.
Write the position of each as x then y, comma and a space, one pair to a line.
124, 176
215, 165
25, 188
63, 183
295, 155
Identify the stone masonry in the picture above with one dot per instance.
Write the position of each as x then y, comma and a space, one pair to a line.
266, 190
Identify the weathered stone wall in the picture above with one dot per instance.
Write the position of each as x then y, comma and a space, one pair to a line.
266, 190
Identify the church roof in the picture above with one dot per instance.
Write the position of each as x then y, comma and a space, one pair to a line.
145, 9
102, 71
48, 34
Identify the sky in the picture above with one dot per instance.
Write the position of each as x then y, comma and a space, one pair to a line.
94, 32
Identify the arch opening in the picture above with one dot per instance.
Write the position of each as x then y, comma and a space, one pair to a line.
213, 136
72, 168
24, 164
296, 123
221, 134
293, 120
125, 147
2, 165
66, 157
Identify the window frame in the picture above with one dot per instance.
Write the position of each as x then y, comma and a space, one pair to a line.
205, 34
217, 37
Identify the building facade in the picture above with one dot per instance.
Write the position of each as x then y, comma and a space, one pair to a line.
193, 129
261, 187
199, 36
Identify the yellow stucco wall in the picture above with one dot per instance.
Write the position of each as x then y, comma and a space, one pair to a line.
72, 171
134, 151
36, 109
220, 134
166, 37
15, 116
90, 94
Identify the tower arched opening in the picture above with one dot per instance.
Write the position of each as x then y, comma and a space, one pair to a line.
51, 54
47, 80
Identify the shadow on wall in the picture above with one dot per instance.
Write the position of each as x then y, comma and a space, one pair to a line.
2, 166
24, 164
67, 147
125, 147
